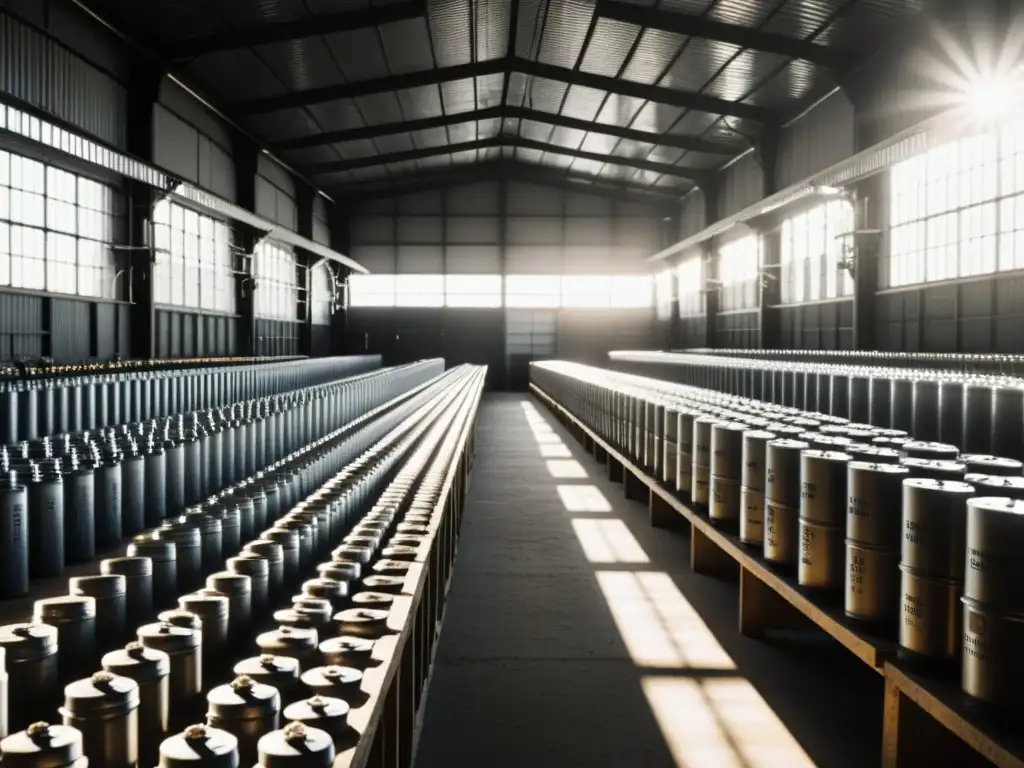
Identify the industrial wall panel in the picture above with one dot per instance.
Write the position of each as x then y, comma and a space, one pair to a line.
822, 137
420, 229
179, 101
42, 72
124, 319
274, 202
579, 204
588, 231
376, 258
818, 326
533, 200
588, 260
106, 330
175, 144
588, 335
216, 169
535, 230
420, 259
320, 340
691, 214
473, 229
21, 326
473, 259
741, 184
75, 28
737, 330
480, 198
70, 330
276, 175
534, 260
428, 202
276, 337
373, 229
321, 222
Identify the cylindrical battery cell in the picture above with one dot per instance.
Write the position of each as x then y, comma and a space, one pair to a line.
14, 541
327, 713
213, 610
150, 669
108, 482
187, 553
162, 557
935, 527
104, 708
823, 487
246, 708
31, 651
238, 589
297, 745
200, 746
183, 646
138, 575
299, 644
79, 513
274, 554
257, 568
133, 493
46, 555
281, 672
42, 745
75, 621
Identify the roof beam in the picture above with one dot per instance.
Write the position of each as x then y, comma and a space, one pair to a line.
323, 24
698, 174
709, 29
660, 94
682, 99
691, 143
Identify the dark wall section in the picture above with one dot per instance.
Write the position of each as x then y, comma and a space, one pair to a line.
277, 337
188, 334
828, 325
737, 329
79, 330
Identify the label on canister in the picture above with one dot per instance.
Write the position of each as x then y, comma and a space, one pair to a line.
751, 516
929, 616
724, 495
684, 472
871, 584
780, 533
701, 483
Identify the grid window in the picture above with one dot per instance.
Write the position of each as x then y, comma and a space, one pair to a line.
738, 266
55, 229
663, 294
194, 261
473, 290
632, 291
276, 282
371, 291
812, 245
322, 292
586, 291
954, 209
419, 291
690, 282
533, 291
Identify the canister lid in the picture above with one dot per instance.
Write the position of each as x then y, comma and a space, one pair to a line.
169, 638
207, 603
288, 641
344, 571
113, 585
381, 583
296, 745
928, 484
181, 618
138, 662
287, 538
127, 566
360, 621
785, 444
362, 540
66, 608
993, 484
289, 617
42, 746
319, 711
252, 564
271, 550
156, 550
991, 465
269, 669
372, 599
230, 583
325, 588
997, 504
392, 566
200, 745
342, 559
334, 677
103, 694
349, 552
882, 468
244, 698
25, 642
181, 535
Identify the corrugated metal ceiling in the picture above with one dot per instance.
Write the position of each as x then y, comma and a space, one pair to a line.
647, 82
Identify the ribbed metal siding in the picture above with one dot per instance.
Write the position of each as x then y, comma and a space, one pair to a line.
41, 72
69, 333
691, 215
819, 139
742, 184
21, 325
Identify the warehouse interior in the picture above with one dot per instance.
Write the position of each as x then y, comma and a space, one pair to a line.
485, 328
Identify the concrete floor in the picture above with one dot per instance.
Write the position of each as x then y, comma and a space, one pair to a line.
533, 670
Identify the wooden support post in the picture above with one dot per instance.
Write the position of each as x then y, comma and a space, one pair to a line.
663, 514
708, 558
600, 453
636, 489
615, 470
762, 608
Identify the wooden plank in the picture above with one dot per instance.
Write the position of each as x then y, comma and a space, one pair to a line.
763, 609
871, 650
942, 701
662, 513
709, 559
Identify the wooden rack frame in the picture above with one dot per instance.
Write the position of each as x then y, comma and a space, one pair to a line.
925, 723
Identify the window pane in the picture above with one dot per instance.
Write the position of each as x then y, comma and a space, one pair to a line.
419, 291
371, 291
473, 290
533, 291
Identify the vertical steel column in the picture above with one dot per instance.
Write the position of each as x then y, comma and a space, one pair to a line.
769, 321
341, 241
305, 195
245, 153
712, 294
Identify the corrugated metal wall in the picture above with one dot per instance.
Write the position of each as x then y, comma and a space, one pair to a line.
321, 222
740, 185
187, 334
691, 214
275, 193
822, 137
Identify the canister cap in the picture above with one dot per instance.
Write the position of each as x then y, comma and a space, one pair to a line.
102, 694
372, 599
392, 566
180, 535
169, 638
154, 549
992, 484
991, 464
882, 468
956, 487
127, 566
267, 666
287, 538
271, 550
66, 608
380, 583
325, 588
294, 742
759, 434
98, 586
356, 619
200, 745
253, 565
25, 642
244, 698
997, 504
318, 708
289, 617
181, 618
787, 444
138, 662
832, 457
42, 745
333, 677
286, 641
230, 583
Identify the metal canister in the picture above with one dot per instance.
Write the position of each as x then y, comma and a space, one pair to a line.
46, 556
4, 731
362, 555
75, 621
934, 469
701, 471
995, 531
935, 528
14, 537
104, 708
138, 575
111, 606
725, 472
273, 552
213, 610
238, 589
150, 669
782, 501
362, 622
257, 568
187, 552
281, 672
297, 745
163, 559
991, 465
1007, 487
299, 644
993, 667
327, 713
211, 539
929, 628
334, 681
79, 509
289, 543
823, 487
200, 746
873, 509
246, 708
340, 571
231, 527
978, 405
108, 502
684, 453
391, 585
872, 583
752, 486
317, 613
918, 449
336, 592
31, 666
133, 490
42, 745
347, 651
183, 646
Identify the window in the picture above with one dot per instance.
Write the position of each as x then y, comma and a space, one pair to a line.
473, 290
194, 262
632, 291
419, 290
955, 210
321, 295
533, 291
812, 244
690, 286
739, 262
276, 282
586, 291
56, 229
371, 291
663, 294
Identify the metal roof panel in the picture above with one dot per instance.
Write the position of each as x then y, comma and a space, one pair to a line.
565, 30
358, 53
609, 47
652, 56
407, 46
450, 31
